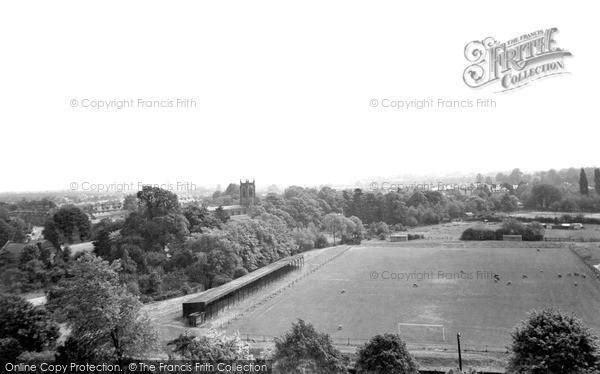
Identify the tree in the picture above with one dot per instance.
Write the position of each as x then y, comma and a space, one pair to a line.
7, 232
100, 312
103, 244
30, 326
544, 195
551, 341
583, 183
304, 239
200, 218
305, 350
221, 214
336, 224
30, 252
597, 181
156, 202
385, 354
68, 225
516, 176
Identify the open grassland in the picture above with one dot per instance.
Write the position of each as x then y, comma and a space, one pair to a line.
449, 289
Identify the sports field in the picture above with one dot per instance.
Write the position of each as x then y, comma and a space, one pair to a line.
450, 290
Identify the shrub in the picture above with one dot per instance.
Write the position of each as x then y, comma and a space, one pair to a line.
415, 236
350, 240
477, 233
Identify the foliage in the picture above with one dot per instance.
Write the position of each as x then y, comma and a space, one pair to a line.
69, 225
305, 350
543, 196
583, 183
30, 326
213, 347
552, 341
385, 354
100, 311
10, 349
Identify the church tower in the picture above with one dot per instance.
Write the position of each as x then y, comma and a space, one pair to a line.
247, 194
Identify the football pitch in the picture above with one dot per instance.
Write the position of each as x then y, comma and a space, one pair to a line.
428, 294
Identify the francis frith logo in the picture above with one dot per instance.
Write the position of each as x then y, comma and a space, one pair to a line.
514, 63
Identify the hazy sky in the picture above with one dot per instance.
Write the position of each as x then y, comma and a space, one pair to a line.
282, 91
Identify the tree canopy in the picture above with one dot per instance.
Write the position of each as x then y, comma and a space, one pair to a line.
305, 350
101, 312
385, 354
553, 342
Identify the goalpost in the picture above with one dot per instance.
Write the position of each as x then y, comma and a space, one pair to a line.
422, 332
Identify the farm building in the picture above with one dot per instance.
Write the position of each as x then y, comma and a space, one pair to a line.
210, 302
398, 238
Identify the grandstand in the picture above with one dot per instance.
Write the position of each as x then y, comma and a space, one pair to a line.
210, 302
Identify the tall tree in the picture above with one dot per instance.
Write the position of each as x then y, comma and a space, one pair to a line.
583, 183
100, 312
70, 224
597, 181
553, 342
157, 202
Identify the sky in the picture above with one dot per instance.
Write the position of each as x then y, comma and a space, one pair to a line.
283, 91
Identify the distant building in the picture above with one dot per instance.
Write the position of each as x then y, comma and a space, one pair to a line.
247, 194
398, 238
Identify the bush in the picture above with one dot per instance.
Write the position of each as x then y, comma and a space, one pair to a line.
350, 240
415, 236
528, 233
477, 233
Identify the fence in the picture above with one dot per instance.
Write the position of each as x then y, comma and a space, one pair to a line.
354, 342
594, 270
572, 239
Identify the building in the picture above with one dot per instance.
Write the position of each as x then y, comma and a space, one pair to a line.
247, 194
398, 238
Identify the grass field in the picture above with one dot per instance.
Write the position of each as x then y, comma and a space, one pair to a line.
482, 310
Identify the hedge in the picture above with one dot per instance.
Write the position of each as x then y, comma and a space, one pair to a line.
474, 233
